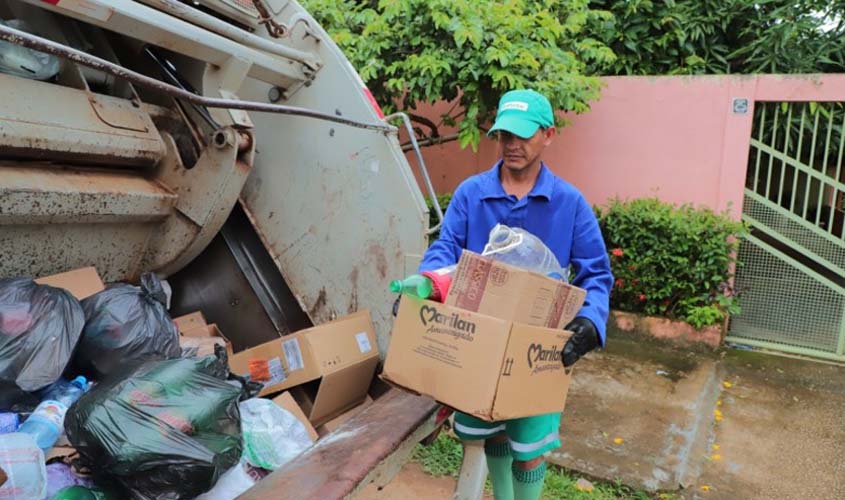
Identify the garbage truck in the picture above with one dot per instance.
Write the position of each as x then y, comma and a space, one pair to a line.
229, 147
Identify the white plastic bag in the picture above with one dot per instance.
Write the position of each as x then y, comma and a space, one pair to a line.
231, 484
272, 436
27, 63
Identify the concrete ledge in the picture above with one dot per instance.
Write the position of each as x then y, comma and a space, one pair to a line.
677, 332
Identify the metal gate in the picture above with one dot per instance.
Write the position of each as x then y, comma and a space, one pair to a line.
792, 281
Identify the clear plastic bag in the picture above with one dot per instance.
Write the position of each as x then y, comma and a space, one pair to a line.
27, 63
520, 248
23, 462
272, 435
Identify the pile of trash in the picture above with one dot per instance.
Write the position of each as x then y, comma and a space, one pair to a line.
99, 400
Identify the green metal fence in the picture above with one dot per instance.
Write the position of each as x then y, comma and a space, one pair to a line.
792, 283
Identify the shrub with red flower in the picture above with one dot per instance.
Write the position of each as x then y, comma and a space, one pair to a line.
671, 261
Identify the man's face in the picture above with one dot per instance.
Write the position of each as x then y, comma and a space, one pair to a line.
520, 154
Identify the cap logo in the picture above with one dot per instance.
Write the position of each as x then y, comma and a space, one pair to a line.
522, 106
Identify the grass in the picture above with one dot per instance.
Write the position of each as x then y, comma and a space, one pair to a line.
443, 458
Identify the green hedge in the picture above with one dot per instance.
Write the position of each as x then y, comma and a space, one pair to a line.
668, 261
672, 261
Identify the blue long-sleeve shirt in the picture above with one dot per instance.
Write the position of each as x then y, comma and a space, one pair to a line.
554, 211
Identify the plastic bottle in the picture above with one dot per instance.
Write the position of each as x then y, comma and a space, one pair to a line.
417, 285
23, 462
46, 423
432, 285
79, 493
520, 248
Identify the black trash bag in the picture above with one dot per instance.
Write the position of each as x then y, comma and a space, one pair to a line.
123, 324
163, 429
39, 328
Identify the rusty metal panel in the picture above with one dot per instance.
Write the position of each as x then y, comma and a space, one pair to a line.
56, 219
50, 195
44, 121
338, 208
207, 192
43, 249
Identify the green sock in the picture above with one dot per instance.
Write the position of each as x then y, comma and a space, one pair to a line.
499, 462
528, 484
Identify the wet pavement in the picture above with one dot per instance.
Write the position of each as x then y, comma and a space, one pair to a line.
729, 425
703, 425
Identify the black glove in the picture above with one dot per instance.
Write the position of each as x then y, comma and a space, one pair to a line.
396, 305
585, 338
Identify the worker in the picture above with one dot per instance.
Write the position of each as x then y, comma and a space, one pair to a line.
521, 191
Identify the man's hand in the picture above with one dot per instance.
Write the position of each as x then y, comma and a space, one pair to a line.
585, 338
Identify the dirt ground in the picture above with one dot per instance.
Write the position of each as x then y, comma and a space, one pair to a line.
412, 484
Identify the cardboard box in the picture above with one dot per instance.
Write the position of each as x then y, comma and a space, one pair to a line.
286, 401
333, 424
82, 282
489, 287
205, 338
341, 354
190, 321
492, 368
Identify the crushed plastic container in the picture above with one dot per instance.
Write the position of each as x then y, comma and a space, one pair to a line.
23, 462
519, 248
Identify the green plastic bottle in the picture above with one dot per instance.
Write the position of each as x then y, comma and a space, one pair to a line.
79, 493
417, 285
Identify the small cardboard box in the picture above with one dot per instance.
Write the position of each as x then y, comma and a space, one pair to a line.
342, 354
489, 287
488, 367
190, 321
82, 282
205, 338
286, 401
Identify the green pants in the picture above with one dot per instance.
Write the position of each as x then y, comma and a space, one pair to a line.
529, 437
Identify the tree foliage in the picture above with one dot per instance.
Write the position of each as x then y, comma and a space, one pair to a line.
656, 37
467, 52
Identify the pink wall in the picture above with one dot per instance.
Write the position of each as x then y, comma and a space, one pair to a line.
676, 138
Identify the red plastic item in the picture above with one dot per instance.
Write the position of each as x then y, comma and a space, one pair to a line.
440, 283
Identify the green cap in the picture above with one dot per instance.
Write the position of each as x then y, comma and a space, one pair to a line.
522, 112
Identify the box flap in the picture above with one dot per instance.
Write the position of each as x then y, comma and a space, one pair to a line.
190, 321
449, 354
343, 342
333, 424
533, 380
82, 282
280, 364
342, 389
286, 401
